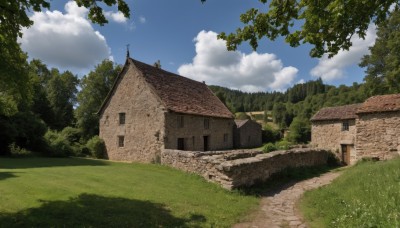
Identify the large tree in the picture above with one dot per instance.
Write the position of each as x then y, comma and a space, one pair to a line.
94, 89
13, 65
327, 25
383, 63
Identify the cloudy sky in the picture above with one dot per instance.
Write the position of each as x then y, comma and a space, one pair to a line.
183, 36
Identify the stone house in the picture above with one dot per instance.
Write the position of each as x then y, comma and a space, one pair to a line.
247, 134
149, 109
352, 132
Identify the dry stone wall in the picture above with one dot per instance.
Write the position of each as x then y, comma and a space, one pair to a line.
237, 168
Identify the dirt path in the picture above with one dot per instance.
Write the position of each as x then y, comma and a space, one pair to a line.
277, 207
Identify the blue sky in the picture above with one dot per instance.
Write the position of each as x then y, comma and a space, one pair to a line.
182, 35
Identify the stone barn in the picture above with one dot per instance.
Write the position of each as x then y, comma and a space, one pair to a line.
334, 129
378, 127
247, 134
149, 109
370, 129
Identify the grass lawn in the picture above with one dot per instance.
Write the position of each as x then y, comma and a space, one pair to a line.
71, 192
366, 195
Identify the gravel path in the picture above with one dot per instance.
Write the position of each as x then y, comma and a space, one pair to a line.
277, 207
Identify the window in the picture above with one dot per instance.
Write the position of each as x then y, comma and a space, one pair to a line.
226, 137
345, 126
122, 118
206, 123
181, 144
121, 141
180, 121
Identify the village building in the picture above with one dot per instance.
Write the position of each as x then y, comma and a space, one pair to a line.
370, 129
247, 134
149, 109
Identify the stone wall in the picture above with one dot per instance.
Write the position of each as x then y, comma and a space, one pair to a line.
193, 132
328, 135
378, 135
143, 130
233, 169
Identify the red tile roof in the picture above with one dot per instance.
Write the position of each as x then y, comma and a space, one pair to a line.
337, 113
382, 103
180, 94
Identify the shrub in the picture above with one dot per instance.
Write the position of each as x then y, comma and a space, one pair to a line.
269, 147
270, 134
58, 144
283, 145
96, 147
17, 151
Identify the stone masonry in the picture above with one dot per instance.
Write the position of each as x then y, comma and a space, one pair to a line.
378, 135
237, 168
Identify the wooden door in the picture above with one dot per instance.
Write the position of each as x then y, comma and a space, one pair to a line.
206, 142
346, 154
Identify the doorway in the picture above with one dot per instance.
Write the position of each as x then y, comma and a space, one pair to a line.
181, 144
346, 154
206, 142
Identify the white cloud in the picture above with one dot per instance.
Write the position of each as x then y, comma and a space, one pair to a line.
67, 41
142, 19
247, 72
116, 16
330, 69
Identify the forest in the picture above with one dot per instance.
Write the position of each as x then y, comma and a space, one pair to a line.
51, 112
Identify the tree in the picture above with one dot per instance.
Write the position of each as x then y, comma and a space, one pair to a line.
383, 64
95, 87
328, 25
13, 16
299, 131
61, 93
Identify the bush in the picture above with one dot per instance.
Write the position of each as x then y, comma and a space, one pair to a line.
283, 145
269, 147
17, 151
58, 144
269, 134
96, 147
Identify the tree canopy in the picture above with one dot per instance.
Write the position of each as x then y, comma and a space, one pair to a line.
328, 25
13, 16
383, 63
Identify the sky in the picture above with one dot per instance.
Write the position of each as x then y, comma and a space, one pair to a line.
183, 36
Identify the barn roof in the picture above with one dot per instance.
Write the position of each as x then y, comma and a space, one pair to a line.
179, 94
337, 113
382, 103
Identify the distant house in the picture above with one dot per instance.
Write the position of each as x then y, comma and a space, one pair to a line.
149, 109
370, 129
247, 134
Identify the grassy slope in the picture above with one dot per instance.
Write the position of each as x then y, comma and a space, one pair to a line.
366, 195
69, 192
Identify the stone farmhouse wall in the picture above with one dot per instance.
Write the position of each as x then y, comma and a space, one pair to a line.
328, 135
248, 135
143, 130
218, 130
237, 168
378, 135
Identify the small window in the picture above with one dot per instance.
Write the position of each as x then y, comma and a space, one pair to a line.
345, 126
206, 123
180, 122
121, 141
122, 118
226, 137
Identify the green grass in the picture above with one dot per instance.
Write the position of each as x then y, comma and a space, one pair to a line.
72, 192
366, 195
